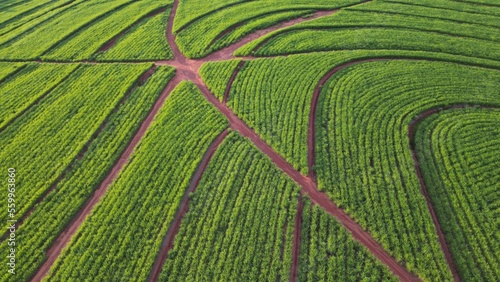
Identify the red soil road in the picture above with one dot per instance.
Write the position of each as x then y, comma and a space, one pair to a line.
168, 242
296, 240
64, 238
423, 187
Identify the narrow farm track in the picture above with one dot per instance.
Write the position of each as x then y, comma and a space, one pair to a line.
423, 187
296, 240
65, 237
168, 241
231, 80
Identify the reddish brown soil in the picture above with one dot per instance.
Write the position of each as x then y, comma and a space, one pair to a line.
296, 240
63, 239
168, 241
113, 41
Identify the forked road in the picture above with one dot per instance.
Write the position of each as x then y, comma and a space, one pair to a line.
187, 69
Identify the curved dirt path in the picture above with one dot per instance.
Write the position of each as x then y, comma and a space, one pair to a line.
168, 242
423, 187
64, 238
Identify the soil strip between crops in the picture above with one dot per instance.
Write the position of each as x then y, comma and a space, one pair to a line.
168, 241
65, 237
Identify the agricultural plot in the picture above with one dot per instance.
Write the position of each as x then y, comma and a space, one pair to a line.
361, 108
328, 253
145, 41
299, 140
157, 176
62, 123
83, 176
240, 224
458, 153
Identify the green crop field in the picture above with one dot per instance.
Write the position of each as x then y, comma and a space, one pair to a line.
263, 140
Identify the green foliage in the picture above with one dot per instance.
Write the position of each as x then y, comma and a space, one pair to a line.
49, 135
458, 5
402, 8
9, 69
35, 42
240, 221
50, 217
122, 236
196, 39
363, 158
216, 75
146, 41
86, 42
273, 95
458, 152
329, 253
33, 82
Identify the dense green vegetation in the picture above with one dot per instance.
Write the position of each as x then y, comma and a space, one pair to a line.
240, 221
146, 41
458, 152
216, 75
84, 175
9, 69
61, 124
85, 43
30, 84
35, 42
428, 12
273, 95
197, 38
363, 159
131, 220
329, 253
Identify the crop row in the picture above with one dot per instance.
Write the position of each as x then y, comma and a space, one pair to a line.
196, 39
32, 83
50, 217
363, 156
9, 69
42, 142
329, 253
146, 41
86, 42
57, 28
458, 152
428, 12
122, 236
240, 222
352, 19
11, 12
452, 6
22, 23
216, 75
